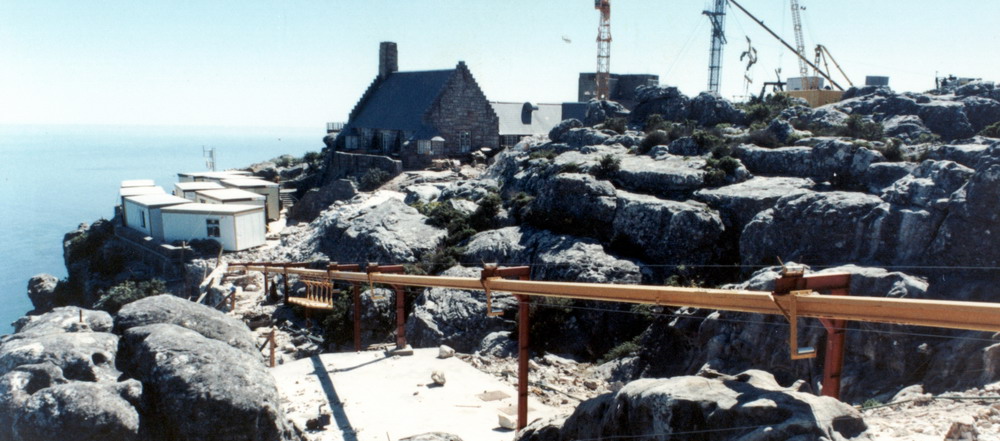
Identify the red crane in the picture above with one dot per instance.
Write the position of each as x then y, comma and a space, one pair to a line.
603, 76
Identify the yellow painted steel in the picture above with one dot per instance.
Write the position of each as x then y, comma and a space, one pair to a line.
977, 316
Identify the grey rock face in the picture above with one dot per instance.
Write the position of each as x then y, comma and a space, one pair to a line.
747, 406
203, 389
389, 232
41, 291
947, 119
929, 185
560, 129
598, 111
64, 319
422, 193
318, 199
585, 136
832, 227
202, 319
667, 102
828, 159
881, 175
456, 318
78, 411
710, 109
966, 154
972, 217
665, 175
472, 190
84, 356
590, 209
909, 128
981, 111
739, 203
666, 231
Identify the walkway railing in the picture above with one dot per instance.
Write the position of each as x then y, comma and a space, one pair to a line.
796, 295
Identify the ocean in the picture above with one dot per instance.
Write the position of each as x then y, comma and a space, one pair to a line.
57, 177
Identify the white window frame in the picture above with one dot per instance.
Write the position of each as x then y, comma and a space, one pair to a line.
213, 226
464, 142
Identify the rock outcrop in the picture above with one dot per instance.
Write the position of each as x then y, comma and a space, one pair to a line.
388, 232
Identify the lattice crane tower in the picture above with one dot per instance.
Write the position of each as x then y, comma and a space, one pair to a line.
800, 45
603, 77
718, 17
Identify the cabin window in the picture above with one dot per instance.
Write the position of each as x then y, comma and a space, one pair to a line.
464, 142
423, 147
213, 227
351, 143
142, 218
388, 139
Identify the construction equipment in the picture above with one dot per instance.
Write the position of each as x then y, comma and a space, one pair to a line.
603, 76
800, 46
822, 53
718, 17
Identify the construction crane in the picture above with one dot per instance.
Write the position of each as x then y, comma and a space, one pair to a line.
800, 46
823, 54
717, 16
603, 76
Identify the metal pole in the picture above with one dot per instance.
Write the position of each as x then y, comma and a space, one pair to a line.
284, 280
522, 360
400, 316
357, 316
833, 362
273, 345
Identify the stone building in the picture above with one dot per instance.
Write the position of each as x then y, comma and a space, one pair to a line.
419, 116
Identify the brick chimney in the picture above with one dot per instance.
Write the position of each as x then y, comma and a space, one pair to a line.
388, 60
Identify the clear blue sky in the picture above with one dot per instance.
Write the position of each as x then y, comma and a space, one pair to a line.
302, 63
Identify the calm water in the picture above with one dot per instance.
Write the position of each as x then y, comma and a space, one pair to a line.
56, 177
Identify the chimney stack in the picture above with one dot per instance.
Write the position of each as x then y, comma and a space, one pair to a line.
388, 60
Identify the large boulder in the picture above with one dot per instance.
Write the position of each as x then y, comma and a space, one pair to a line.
560, 129
318, 199
909, 128
981, 112
389, 232
589, 212
966, 236
600, 110
42, 291
947, 118
79, 411
202, 319
83, 356
929, 185
826, 159
747, 406
667, 102
666, 175
739, 203
456, 318
968, 155
710, 109
665, 231
199, 388
63, 319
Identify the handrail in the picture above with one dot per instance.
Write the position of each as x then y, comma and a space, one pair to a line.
975, 316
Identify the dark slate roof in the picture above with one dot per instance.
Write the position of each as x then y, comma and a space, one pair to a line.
399, 102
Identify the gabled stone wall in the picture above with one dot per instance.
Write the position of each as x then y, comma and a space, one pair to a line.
463, 107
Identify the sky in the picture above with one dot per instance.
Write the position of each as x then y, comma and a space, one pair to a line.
302, 63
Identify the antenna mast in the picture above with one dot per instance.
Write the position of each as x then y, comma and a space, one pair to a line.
603, 76
209, 155
718, 18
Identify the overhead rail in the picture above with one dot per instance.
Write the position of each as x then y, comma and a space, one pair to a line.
795, 295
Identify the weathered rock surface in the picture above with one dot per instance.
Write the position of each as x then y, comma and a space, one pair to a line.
710, 109
828, 159
972, 217
202, 319
667, 102
664, 176
79, 411
600, 110
318, 199
42, 291
388, 232
199, 388
747, 406
739, 203
666, 231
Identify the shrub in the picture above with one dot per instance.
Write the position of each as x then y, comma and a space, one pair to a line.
607, 167
706, 140
617, 125
570, 167
762, 111
656, 122
489, 207
373, 178
543, 154
859, 127
762, 138
314, 159
128, 292
625, 349
717, 170
891, 150
653, 139
517, 204
991, 131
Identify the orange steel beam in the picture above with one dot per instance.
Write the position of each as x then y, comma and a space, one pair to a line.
976, 316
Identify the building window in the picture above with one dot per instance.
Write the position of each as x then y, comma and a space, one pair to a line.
388, 139
213, 227
423, 147
142, 218
510, 140
351, 143
464, 142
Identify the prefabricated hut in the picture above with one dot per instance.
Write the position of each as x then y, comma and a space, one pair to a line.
230, 196
130, 183
260, 186
211, 176
187, 189
143, 212
235, 227
125, 192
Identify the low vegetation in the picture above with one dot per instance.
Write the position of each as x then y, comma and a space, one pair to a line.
128, 292
607, 167
373, 179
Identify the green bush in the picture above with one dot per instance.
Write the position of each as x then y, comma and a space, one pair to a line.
656, 122
891, 150
483, 218
859, 127
653, 139
628, 348
543, 154
314, 159
128, 292
706, 140
763, 111
718, 170
570, 167
762, 138
991, 131
617, 125
373, 179
607, 167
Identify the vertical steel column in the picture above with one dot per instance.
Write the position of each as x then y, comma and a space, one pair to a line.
833, 362
266, 291
284, 279
400, 316
522, 360
357, 316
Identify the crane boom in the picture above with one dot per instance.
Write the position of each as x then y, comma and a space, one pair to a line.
717, 16
603, 76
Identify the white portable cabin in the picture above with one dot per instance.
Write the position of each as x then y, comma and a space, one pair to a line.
230, 196
187, 190
138, 183
235, 227
143, 212
125, 192
260, 186
212, 176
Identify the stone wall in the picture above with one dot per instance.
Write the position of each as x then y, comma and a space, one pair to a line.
462, 107
343, 165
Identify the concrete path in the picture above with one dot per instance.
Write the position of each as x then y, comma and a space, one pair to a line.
378, 398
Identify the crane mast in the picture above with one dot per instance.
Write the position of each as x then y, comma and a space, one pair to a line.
717, 16
603, 76
800, 45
